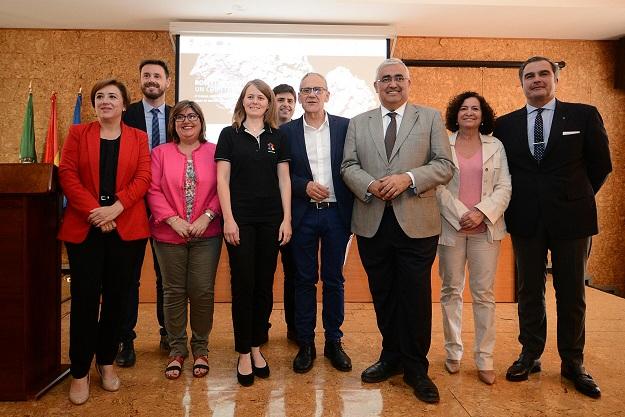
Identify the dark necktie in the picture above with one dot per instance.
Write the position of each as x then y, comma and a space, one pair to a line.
156, 133
391, 134
539, 140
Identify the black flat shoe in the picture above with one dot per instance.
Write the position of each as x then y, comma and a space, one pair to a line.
261, 372
244, 380
303, 362
582, 380
380, 371
521, 368
126, 357
339, 359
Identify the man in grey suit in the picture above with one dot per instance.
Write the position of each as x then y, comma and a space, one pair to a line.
394, 158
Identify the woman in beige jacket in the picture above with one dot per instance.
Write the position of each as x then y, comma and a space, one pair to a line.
472, 207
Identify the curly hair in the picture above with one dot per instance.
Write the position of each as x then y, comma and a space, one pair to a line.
453, 108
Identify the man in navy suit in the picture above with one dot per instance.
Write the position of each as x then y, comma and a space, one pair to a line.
321, 209
285, 99
559, 157
150, 115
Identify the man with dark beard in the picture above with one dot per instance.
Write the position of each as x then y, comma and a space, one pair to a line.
150, 115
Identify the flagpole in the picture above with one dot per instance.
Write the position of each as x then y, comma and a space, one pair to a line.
28, 154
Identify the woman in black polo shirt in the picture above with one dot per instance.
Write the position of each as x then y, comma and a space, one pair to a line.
255, 195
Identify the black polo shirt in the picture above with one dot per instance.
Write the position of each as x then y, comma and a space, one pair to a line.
254, 186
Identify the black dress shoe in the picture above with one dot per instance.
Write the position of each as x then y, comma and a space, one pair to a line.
521, 368
245, 380
333, 350
261, 372
583, 381
423, 387
303, 362
126, 357
380, 371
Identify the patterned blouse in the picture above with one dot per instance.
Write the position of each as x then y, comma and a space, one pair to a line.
189, 188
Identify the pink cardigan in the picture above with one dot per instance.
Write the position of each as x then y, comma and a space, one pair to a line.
166, 193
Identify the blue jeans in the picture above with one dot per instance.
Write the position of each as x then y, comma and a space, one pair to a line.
317, 227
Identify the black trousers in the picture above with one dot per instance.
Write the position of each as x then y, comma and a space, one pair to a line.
252, 266
399, 269
288, 267
568, 259
101, 266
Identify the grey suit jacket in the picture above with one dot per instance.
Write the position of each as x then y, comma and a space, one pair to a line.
422, 147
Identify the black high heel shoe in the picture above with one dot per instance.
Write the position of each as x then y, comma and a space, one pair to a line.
260, 372
245, 380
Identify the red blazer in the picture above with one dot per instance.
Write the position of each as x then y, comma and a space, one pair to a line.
79, 174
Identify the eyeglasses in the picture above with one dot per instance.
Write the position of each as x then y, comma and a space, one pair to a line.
387, 79
314, 90
192, 117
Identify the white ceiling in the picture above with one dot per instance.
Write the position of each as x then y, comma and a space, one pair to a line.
550, 19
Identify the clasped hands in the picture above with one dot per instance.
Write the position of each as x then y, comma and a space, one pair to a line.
104, 217
187, 230
389, 187
471, 219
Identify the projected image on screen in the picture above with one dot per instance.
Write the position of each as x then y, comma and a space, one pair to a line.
213, 70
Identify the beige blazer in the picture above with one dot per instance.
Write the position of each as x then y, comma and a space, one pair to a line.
422, 147
496, 191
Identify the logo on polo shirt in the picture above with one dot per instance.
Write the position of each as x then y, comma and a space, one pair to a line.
271, 148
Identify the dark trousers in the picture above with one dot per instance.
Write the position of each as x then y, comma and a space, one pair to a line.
131, 312
568, 259
323, 227
252, 266
399, 268
288, 267
103, 265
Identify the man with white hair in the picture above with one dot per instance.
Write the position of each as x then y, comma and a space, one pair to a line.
321, 209
395, 156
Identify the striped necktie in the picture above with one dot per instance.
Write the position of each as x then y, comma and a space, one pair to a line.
156, 133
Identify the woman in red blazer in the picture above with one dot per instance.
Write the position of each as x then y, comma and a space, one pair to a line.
105, 173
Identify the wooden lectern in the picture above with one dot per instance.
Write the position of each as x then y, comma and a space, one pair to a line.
30, 281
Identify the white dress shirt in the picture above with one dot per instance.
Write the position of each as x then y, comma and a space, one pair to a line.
319, 155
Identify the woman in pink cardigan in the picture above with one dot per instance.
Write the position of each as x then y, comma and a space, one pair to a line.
187, 234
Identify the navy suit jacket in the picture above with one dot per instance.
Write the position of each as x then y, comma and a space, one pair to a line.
560, 190
134, 116
301, 173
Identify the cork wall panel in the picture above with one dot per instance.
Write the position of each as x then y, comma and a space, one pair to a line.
63, 61
588, 77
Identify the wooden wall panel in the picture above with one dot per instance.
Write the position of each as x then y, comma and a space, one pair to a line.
63, 60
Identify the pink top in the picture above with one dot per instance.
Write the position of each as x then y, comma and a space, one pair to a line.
470, 190
166, 195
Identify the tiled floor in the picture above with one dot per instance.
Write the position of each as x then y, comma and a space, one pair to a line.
326, 392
